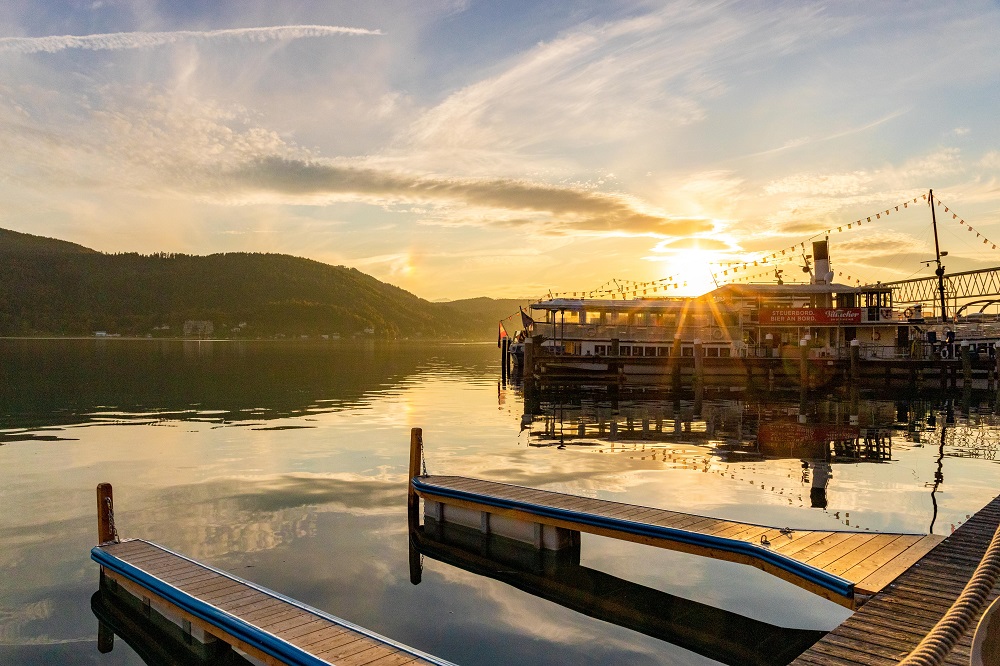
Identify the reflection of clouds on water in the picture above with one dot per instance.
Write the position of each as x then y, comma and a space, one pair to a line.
13, 622
257, 513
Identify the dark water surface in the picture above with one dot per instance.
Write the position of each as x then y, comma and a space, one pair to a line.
286, 463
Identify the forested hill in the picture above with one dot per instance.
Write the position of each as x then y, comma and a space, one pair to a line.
53, 287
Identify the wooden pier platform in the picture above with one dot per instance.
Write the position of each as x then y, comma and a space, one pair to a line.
893, 623
846, 567
262, 623
213, 606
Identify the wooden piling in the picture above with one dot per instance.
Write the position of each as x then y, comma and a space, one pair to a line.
504, 358
416, 455
855, 360
699, 360
804, 363
106, 532
105, 638
966, 365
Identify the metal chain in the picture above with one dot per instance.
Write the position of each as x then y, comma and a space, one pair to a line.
111, 520
423, 461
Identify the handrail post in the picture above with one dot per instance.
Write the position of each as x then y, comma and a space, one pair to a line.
416, 454
105, 514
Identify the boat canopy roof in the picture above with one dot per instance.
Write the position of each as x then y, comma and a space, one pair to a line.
594, 304
756, 290
724, 293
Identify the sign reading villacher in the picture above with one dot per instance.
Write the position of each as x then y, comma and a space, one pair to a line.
810, 316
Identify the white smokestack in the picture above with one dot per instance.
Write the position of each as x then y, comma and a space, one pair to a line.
821, 263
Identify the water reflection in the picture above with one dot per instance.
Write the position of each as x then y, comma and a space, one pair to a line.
158, 642
750, 435
558, 577
285, 463
49, 383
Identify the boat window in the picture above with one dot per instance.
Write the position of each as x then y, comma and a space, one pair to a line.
593, 317
712, 351
650, 351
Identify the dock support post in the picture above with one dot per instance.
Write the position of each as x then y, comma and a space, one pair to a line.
504, 359
804, 363
106, 532
996, 366
966, 365
855, 360
529, 359
105, 638
416, 455
675, 363
699, 360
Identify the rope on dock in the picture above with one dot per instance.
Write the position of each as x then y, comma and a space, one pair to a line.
938, 643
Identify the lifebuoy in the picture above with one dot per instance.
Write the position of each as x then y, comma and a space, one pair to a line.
908, 312
876, 336
717, 334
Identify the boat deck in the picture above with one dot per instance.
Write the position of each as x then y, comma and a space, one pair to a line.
846, 567
262, 623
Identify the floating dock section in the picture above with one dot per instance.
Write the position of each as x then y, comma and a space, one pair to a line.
843, 566
214, 606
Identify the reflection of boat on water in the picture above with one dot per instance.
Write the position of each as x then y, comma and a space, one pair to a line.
745, 428
721, 635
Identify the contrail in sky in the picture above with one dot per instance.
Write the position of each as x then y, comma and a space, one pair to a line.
117, 41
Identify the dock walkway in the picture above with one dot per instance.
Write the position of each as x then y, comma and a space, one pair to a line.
846, 567
890, 625
262, 623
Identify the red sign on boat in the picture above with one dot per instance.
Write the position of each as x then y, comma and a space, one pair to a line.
810, 316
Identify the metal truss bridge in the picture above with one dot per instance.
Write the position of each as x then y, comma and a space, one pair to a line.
963, 287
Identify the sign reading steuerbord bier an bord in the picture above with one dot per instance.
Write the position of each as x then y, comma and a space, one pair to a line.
810, 316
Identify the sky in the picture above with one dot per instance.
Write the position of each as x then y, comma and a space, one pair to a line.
461, 148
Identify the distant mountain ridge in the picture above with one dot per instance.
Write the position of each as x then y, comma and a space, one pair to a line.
53, 287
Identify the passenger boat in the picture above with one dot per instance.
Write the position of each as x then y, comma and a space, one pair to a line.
734, 320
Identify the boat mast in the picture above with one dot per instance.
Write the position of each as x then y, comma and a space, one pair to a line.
937, 257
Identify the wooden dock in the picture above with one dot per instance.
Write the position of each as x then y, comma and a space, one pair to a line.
212, 605
846, 567
893, 623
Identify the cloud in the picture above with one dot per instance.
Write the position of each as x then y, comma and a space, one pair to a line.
118, 41
693, 244
566, 209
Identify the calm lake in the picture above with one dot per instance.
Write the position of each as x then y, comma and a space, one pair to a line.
285, 463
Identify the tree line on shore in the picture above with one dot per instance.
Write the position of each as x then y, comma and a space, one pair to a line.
51, 287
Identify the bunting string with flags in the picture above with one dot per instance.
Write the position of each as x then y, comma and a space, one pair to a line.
767, 264
736, 271
961, 222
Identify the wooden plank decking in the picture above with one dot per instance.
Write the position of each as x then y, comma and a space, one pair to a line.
846, 567
262, 623
890, 625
